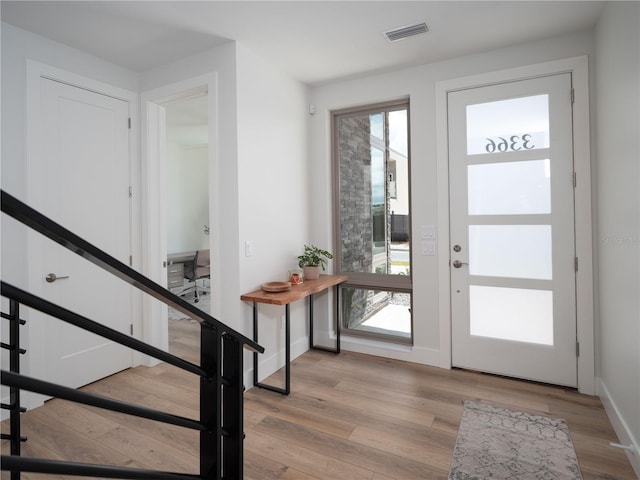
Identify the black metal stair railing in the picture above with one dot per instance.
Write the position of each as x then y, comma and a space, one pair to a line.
220, 371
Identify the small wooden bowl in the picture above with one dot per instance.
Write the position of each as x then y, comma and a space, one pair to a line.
275, 287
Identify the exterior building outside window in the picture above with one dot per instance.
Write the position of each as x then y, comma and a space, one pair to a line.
371, 165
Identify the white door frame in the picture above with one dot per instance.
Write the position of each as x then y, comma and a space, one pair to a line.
155, 331
578, 66
34, 71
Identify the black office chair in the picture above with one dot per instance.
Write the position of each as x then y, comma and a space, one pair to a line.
198, 269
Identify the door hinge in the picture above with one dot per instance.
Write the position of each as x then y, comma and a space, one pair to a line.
576, 263
129, 123
575, 179
573, 96
577, 349
130, 192
131, 260
131, 329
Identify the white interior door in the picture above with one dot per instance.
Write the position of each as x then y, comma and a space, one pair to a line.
79, 176
512, 230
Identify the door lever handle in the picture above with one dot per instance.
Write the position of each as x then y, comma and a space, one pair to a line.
458, 263
52, 277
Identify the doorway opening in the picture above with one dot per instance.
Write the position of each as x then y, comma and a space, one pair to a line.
179, 211
187, 199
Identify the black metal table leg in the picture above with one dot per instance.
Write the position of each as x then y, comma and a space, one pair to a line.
337, 317
337, 324
255, 339
287, 366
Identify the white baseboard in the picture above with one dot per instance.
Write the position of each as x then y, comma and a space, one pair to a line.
625, 436
406, 353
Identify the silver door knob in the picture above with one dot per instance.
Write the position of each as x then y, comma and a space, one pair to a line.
52, 277
458, 263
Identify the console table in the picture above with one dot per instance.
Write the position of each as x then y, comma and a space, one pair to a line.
306, 289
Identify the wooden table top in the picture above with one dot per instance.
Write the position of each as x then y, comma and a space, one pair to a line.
297, 292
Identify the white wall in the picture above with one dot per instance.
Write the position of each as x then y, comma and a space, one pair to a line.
618, 209
273, 198
187, 197
420, 85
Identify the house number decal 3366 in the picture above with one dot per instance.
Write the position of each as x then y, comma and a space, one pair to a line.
514, 143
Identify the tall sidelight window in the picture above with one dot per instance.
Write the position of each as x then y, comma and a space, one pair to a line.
372, 212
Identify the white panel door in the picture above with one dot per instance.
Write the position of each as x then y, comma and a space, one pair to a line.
512, 230
79, 177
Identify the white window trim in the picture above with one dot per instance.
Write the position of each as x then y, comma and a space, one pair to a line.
578, 67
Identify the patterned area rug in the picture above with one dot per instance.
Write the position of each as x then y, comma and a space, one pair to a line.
500, 444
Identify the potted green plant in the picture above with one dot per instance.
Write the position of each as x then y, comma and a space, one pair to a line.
312, 260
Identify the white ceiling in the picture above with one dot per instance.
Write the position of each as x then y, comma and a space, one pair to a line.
315, 41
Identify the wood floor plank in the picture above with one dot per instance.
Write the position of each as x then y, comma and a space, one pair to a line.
55, 436
298, 454
292, 474
268, 404
252, 417
349, 416
411, 448
85, 421
352, 410
258, 467
372, 405
183, 439
168, 374
379, 476
362, 456
150, 452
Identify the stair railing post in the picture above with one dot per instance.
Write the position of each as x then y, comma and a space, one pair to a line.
233, 410
14, 392
210, 403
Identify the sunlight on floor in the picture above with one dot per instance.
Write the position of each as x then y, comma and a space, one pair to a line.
392, 318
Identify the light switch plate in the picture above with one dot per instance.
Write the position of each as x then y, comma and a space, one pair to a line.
248, 248
428, 231
428, 248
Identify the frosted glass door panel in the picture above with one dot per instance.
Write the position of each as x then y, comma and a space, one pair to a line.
513, 125
512, 314
510, 188
516, 251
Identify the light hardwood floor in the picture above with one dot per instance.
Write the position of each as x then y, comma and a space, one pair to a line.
348, 416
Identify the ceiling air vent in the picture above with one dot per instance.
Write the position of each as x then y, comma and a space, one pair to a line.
405, 32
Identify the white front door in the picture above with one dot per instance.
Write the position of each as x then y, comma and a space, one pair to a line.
79, 177
512, 229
